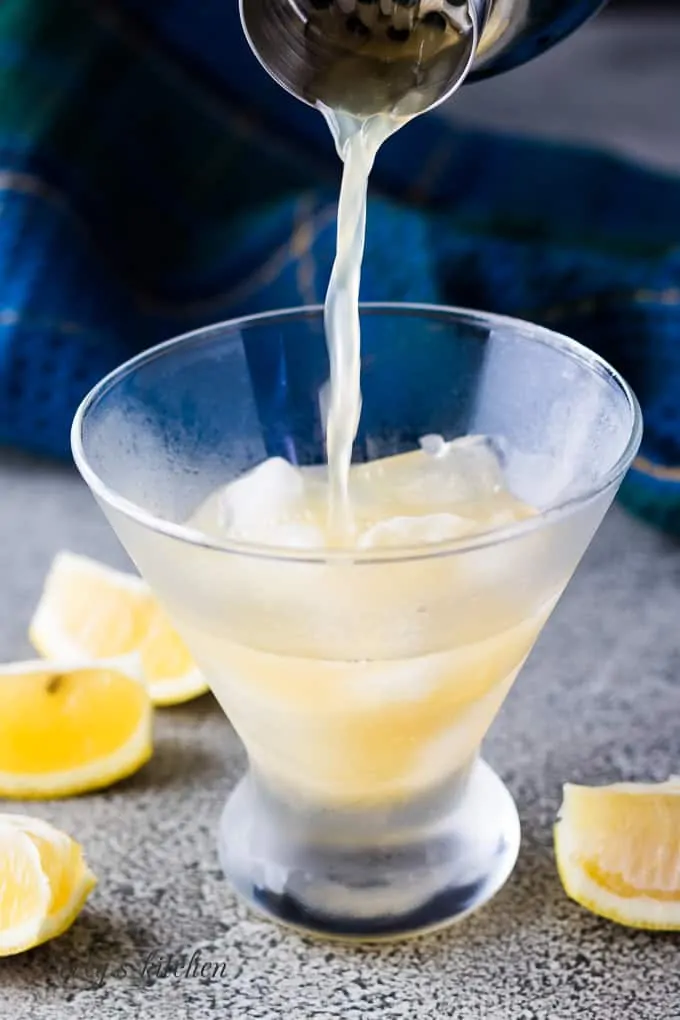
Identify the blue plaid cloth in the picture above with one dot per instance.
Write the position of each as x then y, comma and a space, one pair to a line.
154, 180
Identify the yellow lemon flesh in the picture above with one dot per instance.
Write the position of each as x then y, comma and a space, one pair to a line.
88, 610
44, 882
66, 730
618, 852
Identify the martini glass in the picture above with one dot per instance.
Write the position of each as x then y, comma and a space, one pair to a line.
361, 683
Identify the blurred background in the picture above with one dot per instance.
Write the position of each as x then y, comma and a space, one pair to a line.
614, 84
154, 179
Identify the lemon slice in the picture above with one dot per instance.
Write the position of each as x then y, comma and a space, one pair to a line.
618, 851
88, 610
44, 882
66, 730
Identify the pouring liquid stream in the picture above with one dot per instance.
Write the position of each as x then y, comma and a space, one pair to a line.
357, 141
390, 82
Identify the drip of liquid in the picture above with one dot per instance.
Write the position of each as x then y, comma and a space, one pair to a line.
357, 141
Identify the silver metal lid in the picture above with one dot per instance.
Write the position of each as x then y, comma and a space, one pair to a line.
364, 57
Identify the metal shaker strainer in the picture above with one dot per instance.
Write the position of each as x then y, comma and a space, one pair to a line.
399, 56
365, 56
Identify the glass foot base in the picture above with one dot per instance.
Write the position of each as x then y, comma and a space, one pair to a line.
372, 875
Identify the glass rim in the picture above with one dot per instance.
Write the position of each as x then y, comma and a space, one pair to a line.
491, 537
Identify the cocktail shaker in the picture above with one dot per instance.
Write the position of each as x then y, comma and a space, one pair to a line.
399, 56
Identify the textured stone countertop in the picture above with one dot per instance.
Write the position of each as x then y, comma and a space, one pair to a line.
597, 702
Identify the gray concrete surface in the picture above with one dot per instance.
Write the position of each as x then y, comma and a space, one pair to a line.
597, 702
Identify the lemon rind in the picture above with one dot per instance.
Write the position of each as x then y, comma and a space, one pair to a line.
129, 666
177, 690
642, 911
96, 775
100, 772
67, 561
44, 927
26, 933
50, 641
54, 926
45, 635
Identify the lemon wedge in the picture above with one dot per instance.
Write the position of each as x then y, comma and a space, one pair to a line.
618, 852
67, 729
88, 610
44, 882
